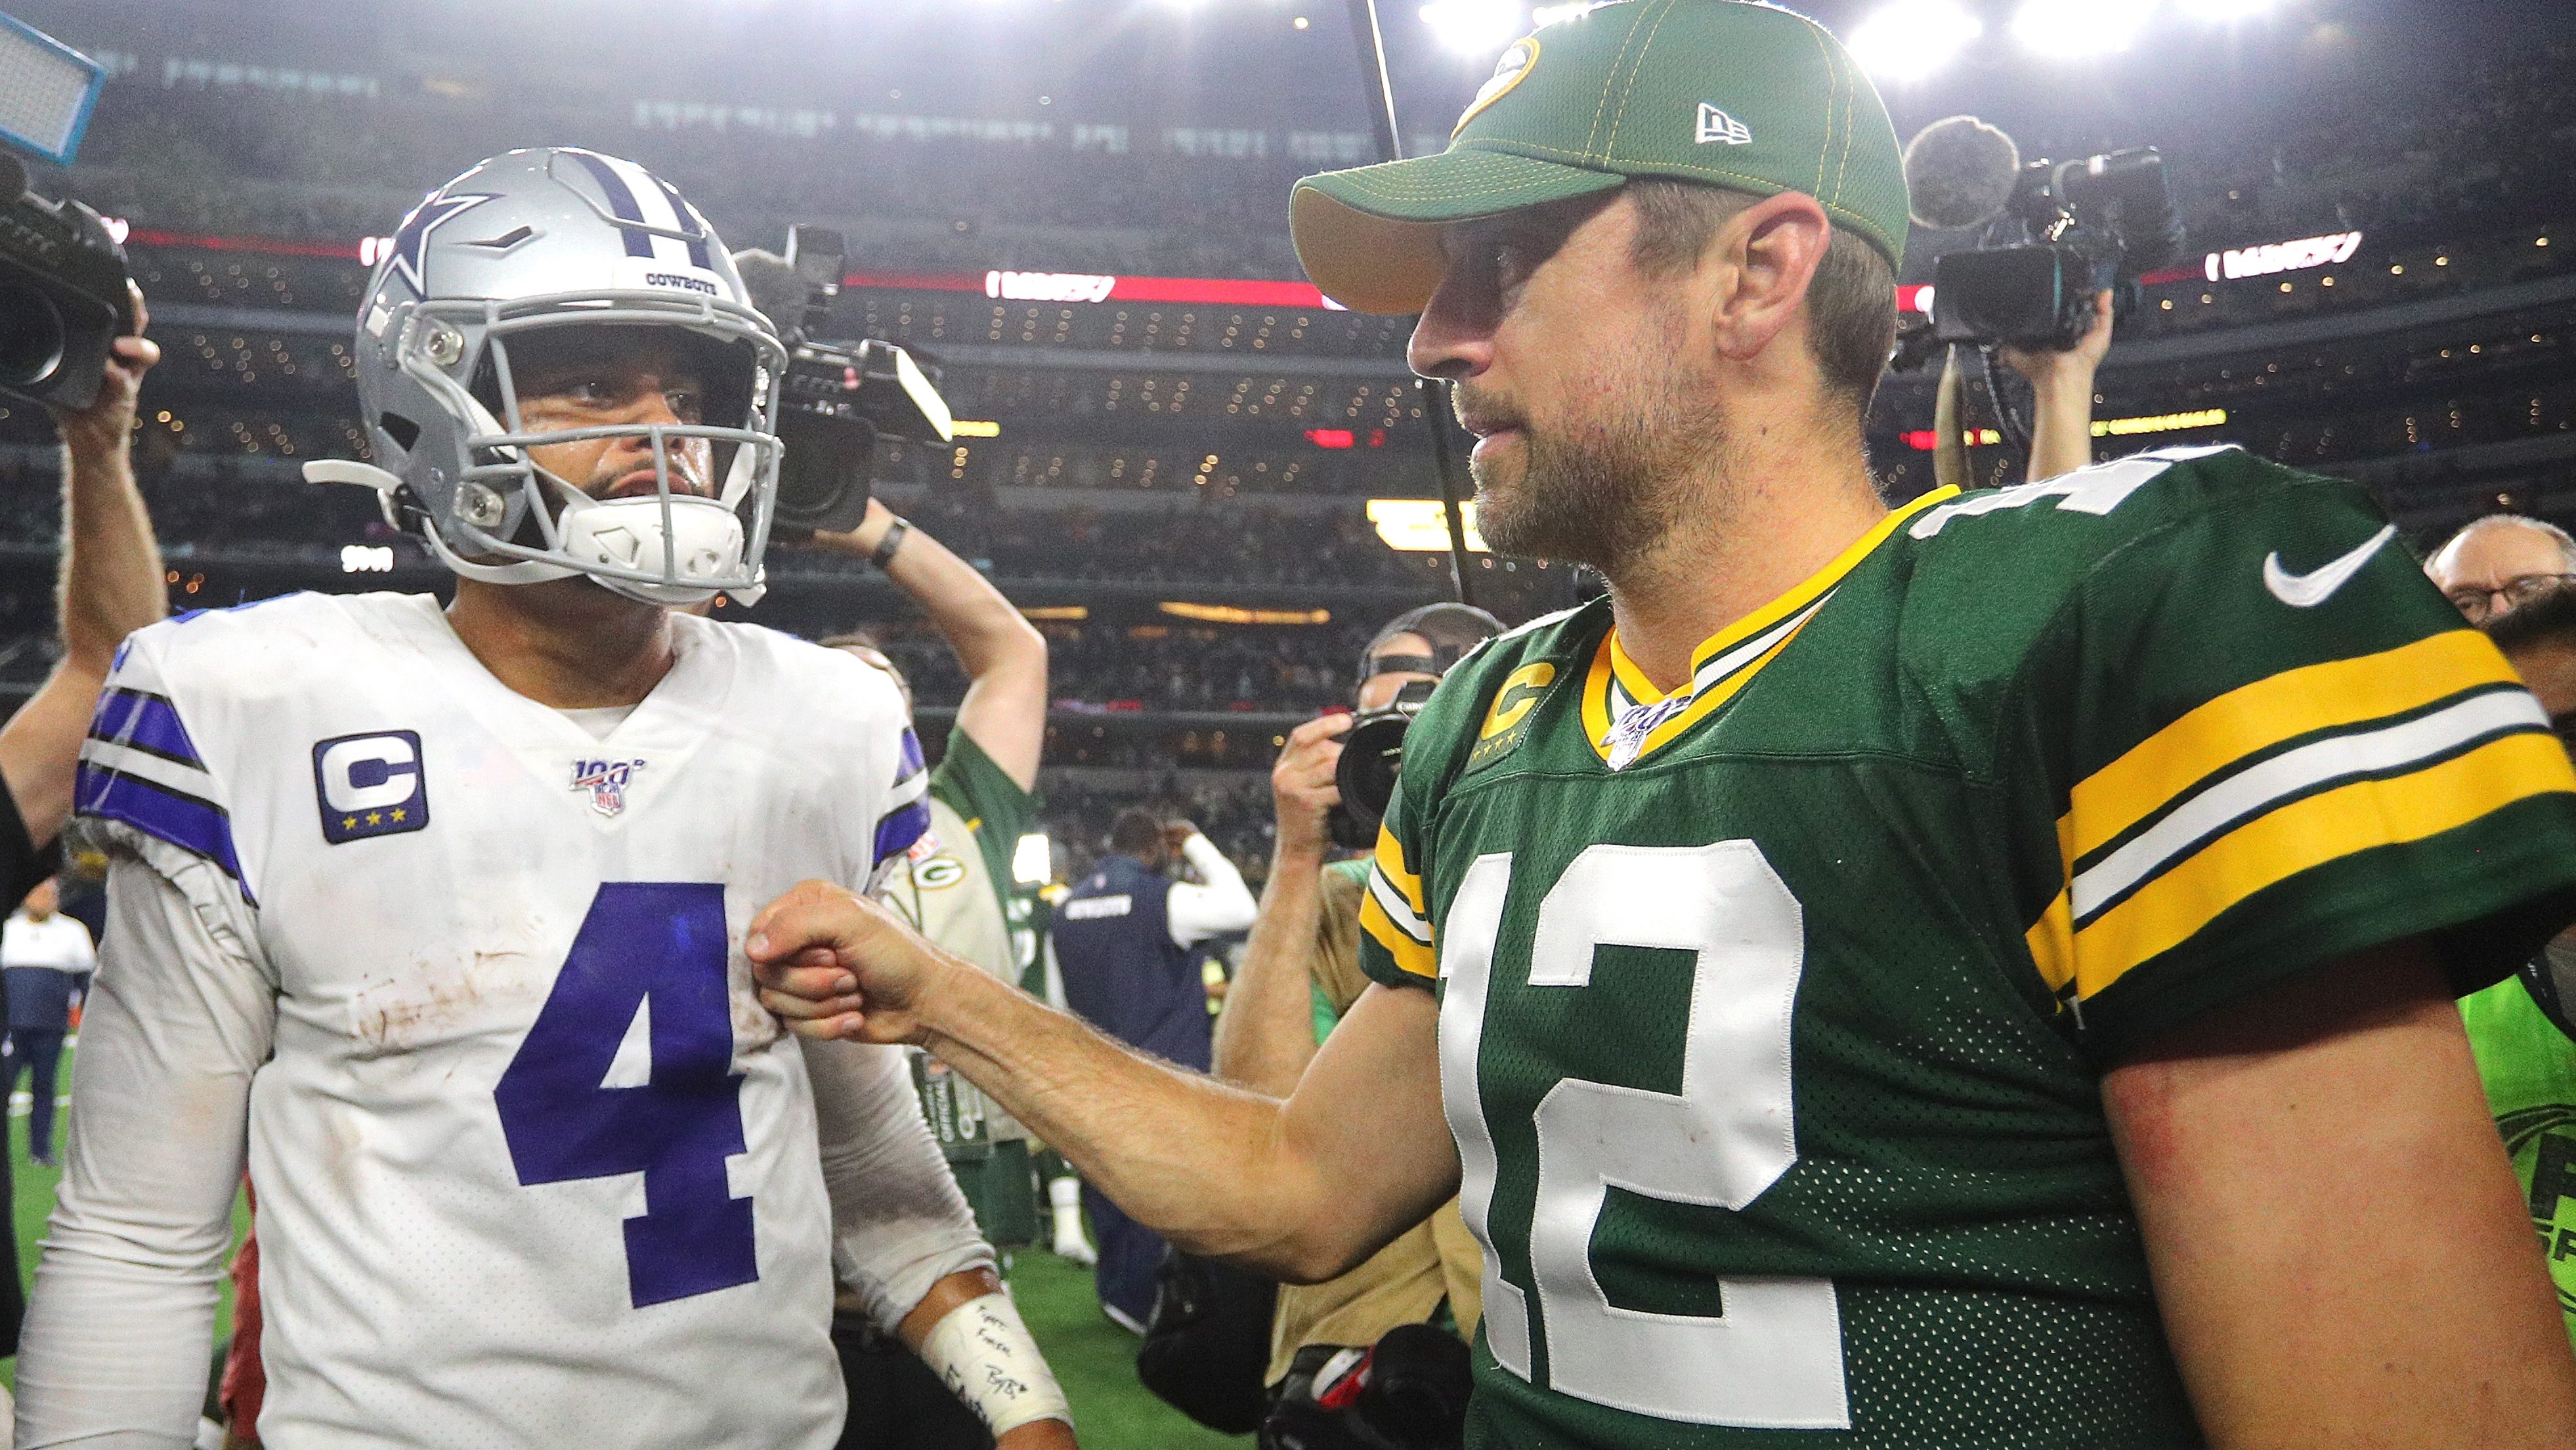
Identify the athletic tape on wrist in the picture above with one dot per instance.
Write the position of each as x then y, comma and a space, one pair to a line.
984, 1353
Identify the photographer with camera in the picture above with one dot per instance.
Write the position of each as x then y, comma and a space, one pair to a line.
1300, 974
110, 586
2060, 248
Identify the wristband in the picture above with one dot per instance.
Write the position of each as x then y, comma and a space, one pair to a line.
893, 540
983, 1353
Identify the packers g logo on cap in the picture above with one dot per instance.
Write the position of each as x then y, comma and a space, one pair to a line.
1508, 72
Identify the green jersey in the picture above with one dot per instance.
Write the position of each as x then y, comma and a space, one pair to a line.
956, 886
1773, 1013
2529, 1068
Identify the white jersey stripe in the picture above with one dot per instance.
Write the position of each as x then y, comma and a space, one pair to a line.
2250, 791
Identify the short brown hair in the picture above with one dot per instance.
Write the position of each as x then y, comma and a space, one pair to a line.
1851, 303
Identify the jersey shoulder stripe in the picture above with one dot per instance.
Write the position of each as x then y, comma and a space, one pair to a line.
2282, 776
907, 818
140, 767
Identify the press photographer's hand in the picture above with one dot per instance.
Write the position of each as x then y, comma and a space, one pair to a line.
107, 424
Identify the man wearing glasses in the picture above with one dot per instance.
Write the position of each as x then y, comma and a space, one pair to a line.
2501, 562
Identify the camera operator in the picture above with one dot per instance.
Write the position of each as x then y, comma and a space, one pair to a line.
110, 587
955, 888
1300, 974
2061, 384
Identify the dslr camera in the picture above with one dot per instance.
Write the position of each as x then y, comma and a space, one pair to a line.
63, 295
839, 397
2057, 232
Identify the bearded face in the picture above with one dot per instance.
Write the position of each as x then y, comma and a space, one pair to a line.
1574, 474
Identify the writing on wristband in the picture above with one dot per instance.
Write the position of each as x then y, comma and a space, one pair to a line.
983, 1353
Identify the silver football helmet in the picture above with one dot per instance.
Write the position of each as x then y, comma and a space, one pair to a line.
553, 238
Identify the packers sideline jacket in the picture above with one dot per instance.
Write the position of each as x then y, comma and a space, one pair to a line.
1773, 1013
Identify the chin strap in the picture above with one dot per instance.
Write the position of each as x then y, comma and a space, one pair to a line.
387, 486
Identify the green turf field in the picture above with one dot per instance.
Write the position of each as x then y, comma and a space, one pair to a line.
1094, 1358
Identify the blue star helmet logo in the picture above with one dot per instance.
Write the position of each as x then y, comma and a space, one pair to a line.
411, 244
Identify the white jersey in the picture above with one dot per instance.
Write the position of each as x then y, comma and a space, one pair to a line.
534, 1167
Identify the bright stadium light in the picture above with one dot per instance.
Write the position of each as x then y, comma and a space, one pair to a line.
1911, 39
2228, 12
2076, 29
1475, 27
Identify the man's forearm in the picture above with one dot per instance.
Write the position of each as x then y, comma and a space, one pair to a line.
2061, 435
1187, 1156
111, 582
983, 627
1265, 1036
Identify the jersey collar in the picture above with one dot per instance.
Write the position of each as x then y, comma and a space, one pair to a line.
1626, 718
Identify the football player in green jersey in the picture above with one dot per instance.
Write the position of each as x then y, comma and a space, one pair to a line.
1972, 975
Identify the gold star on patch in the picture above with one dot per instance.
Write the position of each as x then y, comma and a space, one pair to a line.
375, 818
348, 823
398, 815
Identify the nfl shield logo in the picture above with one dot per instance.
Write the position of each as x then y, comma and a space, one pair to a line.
606, 780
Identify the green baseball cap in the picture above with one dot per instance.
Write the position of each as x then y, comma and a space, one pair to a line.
1734, 94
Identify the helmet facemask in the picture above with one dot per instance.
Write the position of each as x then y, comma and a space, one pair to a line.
510, 520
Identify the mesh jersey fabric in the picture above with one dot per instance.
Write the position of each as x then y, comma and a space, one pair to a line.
1774, 1053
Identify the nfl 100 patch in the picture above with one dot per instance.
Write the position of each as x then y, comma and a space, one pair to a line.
370, 785
606, 781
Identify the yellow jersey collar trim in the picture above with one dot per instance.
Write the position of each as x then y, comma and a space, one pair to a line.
1710, 687
1815, 586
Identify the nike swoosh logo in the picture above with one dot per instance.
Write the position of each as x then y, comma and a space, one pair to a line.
2307, 591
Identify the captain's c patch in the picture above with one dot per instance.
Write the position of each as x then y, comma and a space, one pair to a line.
370, 785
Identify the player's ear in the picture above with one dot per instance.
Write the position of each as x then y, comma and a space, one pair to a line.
1769, 253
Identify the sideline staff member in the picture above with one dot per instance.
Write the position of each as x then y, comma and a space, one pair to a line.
1123, 944
1924, 975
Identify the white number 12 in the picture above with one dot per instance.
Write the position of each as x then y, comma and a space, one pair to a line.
1774, 1358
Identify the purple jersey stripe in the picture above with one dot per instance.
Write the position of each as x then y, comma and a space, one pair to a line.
145, 722
192, 825
900, 828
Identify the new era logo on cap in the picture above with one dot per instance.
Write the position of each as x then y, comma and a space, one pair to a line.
1716, 125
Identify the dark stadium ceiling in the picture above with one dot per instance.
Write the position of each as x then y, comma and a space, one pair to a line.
1208, 62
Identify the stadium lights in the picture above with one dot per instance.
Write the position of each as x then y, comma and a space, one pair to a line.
1474, 27
1421, 525
1230, 614
2079, 29
2228, 12
1911, 39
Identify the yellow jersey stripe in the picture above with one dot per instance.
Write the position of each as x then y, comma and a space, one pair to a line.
1410, 955
2265, 713
1389, 860
1611, 664
2307, 834
2052, 942
1718, 694
1596, 700
1815, 585
1640, 690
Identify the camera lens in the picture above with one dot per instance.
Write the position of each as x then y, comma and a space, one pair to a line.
31, 336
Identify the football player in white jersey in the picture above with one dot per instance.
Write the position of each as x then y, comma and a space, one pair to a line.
436, 916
